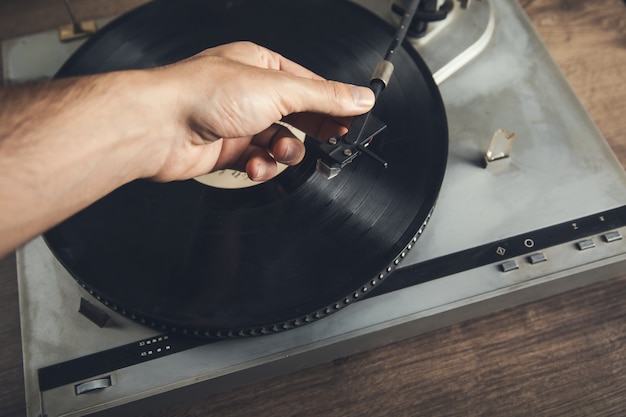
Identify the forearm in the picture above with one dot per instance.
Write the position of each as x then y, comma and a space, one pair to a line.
66, 143
63, 145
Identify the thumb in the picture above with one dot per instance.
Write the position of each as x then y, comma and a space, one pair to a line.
328, 97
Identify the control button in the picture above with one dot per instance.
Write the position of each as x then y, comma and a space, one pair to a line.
93, 385
537, 258
509, 266
612, 236
586, 244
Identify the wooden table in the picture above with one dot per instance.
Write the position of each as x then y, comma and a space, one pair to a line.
561, 356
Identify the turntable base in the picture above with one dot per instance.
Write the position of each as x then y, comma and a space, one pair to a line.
438, 335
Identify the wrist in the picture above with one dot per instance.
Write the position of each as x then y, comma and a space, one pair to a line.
143, 125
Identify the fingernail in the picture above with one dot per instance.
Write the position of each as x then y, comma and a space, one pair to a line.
363, 96
291, 154
259, 171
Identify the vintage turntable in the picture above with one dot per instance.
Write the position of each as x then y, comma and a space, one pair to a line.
546, 218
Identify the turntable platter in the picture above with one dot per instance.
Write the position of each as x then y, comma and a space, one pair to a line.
211, 262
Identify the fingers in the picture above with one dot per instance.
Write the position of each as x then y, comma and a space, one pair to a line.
234, 94
284, 146
261, 166
255, 55
276, 144
259, 156
324, 97
299, 89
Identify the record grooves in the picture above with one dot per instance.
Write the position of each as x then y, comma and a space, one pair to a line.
193, 259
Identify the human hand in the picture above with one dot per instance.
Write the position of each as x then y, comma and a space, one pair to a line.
219, 109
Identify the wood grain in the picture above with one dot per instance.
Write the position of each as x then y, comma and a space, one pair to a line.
587, 38
562, 356
18, 18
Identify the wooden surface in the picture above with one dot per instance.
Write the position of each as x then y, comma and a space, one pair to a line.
562, 356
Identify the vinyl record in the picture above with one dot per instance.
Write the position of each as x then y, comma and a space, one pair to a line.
211, 262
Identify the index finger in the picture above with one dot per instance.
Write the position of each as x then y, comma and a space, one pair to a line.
250, 53
296, 69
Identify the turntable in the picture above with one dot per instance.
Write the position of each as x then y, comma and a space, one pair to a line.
532, 204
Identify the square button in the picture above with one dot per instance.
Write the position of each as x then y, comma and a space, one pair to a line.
537, 258
612, 236
586, 244
509, 266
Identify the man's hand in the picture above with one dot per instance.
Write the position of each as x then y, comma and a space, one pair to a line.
223, 104
66, 143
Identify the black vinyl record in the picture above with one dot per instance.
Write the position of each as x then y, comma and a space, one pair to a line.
211, 262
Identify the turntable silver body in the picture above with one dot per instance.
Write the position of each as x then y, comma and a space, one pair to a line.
494, 73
